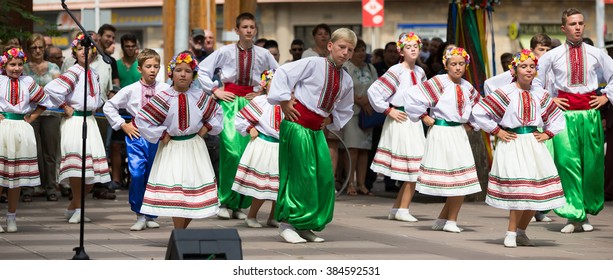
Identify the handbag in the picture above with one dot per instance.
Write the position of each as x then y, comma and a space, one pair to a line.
374, 120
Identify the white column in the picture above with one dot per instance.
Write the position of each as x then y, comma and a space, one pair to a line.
283, 31
181, 25
600, 23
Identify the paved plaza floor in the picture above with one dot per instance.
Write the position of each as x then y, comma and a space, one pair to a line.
360, 231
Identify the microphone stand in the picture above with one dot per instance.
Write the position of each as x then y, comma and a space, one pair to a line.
88, 42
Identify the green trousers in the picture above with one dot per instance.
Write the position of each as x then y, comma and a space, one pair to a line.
231, 147
579, 158
306, 182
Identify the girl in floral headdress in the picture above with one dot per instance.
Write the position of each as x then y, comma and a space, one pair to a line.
523, 178
258, 171
448, 167
68, 90
21, 103
402, 140
182, 182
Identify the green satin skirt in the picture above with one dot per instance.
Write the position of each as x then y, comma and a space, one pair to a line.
579, 158
306, 183
231, 147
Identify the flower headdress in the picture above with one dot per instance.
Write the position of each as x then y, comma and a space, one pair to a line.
79, 40
522, 56
456, 51
266, 78
405, 38
183, 57
12, 53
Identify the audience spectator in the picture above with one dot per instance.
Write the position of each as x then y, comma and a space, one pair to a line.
505, 61
358, 140
273, 47
296, 50
54, 54
47, 126
321, 36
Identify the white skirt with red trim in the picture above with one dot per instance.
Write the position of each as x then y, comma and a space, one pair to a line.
400, 150
18, 161
182, 181
71, 143
524, 176
258, 170
448, 166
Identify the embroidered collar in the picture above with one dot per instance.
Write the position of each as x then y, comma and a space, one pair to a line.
330, 61
574, 45
240, 47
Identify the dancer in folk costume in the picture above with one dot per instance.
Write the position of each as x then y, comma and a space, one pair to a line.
140, 151
68, 90
579, 149
258, 171
539, 45
523, 178
182, 182
323, 93
447, 167
22, 102
402, 140
241, 65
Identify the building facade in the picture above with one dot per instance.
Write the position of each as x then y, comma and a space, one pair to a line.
285, 20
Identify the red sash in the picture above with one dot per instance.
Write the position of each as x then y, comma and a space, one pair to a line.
238, 90
308, 118
577, 101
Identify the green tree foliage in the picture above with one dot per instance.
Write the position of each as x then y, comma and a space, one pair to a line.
10, 12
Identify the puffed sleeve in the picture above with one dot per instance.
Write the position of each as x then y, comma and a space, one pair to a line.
37, 94
62, 86
112, 106
207, 71
545, 64
250, 115
151, 117
286, 78
486, 114
382, 89
553, 118
343, 109
212, 116
421, 97
606, 64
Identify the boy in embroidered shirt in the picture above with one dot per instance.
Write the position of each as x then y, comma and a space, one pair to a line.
323, 93
140, 152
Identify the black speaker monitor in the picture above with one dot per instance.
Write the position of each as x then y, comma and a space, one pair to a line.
204, 244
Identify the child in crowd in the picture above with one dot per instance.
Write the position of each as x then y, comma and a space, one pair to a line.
448, 167
402, 140
182, 182
258, 171
323, 93
23, 101
523, 177
140, 152
68, 90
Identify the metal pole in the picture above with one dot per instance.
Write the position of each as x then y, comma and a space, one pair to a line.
600, 23
181, 26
